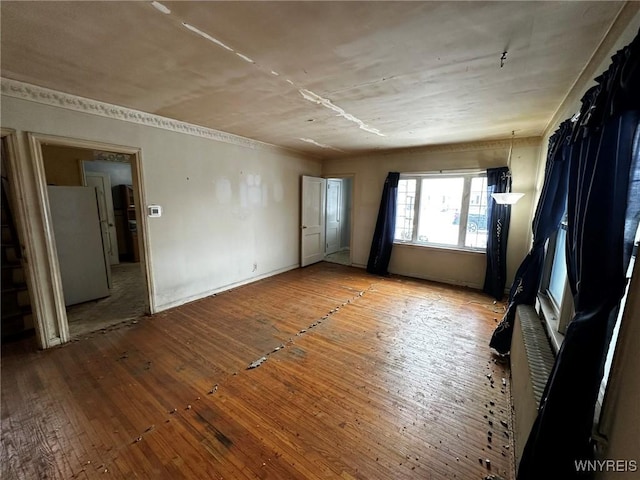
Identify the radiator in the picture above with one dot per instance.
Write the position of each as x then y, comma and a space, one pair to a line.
531, 363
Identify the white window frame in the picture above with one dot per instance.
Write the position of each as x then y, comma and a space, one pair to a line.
556, 313
464, 209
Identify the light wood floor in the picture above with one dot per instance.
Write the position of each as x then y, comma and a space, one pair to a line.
375, 378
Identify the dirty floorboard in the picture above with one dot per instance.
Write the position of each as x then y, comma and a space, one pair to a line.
354, 376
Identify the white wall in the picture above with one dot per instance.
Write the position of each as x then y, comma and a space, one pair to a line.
119, 172
231, 213
461, 268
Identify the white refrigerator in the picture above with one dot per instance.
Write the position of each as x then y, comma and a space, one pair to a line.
81, 254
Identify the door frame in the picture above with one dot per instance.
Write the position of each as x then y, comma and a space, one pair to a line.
51, 319
45, 327
340, 220
352, 177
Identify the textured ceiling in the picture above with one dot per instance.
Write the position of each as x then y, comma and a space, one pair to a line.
329, 78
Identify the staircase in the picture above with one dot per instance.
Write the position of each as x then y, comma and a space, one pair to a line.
17, 319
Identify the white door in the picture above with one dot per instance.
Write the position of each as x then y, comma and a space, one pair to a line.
312, 243
76, 227
334, 201
102, 183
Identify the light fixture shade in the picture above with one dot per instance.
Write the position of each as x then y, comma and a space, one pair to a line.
507, 198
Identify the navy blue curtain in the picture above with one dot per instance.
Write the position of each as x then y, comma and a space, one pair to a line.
602, 213
549, 212
380, 252
498, 218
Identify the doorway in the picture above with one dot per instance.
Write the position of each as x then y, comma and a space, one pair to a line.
339, 200
326, 218
94, 214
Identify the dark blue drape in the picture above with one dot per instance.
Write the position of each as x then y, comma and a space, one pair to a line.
498, 218
551, 207
602, 214
380, 252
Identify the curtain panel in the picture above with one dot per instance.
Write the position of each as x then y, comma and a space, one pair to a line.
602, 214
382, 242
498, 218
549, 212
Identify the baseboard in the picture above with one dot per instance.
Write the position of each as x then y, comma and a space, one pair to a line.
208, 293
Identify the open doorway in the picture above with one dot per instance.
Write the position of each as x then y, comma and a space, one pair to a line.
325, 214
94, 218
339, 198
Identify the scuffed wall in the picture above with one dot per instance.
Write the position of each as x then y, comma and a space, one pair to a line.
230, 212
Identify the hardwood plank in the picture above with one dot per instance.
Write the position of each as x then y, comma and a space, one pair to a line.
365, 377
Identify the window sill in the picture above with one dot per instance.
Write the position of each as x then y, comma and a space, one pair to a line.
447, 248
550, 321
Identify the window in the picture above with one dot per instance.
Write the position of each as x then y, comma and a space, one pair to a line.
476, 236
555, 297
558, 270
442, 210
558, 274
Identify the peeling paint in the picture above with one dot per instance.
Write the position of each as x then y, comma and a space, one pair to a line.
321, 145
317, 99
160, 7
207, 36
245, 58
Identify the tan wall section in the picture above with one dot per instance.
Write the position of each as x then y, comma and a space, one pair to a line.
63, 165
460, 268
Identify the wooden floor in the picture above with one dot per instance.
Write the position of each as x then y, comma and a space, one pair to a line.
365, 377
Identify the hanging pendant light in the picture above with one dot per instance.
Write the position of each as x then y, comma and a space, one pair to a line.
508, 198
